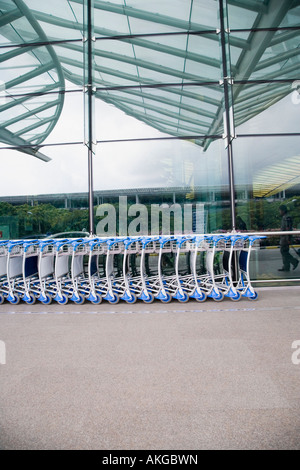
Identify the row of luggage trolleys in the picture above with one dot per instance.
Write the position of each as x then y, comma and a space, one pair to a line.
127, 268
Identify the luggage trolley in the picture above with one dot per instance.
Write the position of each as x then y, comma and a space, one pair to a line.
166, 283
31, 283
198, 246
214, 279
224, 280
114, 284
132, 281
188, 285
244, 283
96, 280
14, 271
203, 248
69, 270
18, 269
80, 283
4, 290
182, 283
148, 285
63, 252
46, 271
234, 245
117, 271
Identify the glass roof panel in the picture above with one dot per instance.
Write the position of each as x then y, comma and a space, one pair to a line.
240, 17
158, 58
274, 105
205, 13
269, 55
117, 22
61, 8
292, 18
180, 8
162, 59
114, 47
60, 31
143, 26
19, 31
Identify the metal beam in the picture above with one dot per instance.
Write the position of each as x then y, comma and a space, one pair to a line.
51, 63
251, 5
106, 33
284, 56
9, 138
149, 118
178, 89
145, 15
135, 62
19, 101
28, 114
258, 42
160, 111
33, 126
158, 99
9, 17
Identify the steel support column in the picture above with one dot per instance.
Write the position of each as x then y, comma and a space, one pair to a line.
228, 123
89, 103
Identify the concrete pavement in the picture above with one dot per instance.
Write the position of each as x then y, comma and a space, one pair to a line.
156, 377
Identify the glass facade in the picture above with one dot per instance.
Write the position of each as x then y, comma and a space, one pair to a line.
189, 102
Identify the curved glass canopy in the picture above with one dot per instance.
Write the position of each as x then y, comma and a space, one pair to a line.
158, 61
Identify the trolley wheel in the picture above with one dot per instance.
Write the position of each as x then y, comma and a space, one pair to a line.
64, 300
80, 300
150, 299
219, 297
184, 299
236, 297
115, 299
167, 299
253, 297
97, 300
15, 300
132, 300
202, 298
48, 300
1, 299
31, 300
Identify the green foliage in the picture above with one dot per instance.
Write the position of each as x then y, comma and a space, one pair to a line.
45, 219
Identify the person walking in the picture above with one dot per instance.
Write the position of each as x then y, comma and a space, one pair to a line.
285, 240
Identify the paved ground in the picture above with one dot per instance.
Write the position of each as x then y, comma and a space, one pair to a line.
155, 377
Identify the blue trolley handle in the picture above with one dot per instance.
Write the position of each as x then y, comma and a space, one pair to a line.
147, 240
12, 244
60, 243
27, 245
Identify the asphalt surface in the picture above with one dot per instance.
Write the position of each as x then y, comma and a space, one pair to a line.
212, 375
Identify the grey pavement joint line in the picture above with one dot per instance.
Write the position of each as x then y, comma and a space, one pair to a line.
108, 312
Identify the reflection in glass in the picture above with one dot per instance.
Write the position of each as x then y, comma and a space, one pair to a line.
267, 173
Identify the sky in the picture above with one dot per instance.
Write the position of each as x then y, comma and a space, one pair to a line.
116, 165
143, 164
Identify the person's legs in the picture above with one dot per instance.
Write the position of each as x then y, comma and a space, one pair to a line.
287, 258
284, 250
293, 260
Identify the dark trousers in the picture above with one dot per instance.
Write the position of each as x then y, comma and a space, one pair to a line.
287, 258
